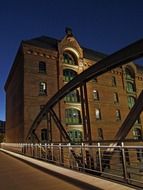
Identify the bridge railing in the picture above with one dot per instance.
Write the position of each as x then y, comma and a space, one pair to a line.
125, 163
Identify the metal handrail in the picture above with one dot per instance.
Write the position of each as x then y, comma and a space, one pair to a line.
126, 164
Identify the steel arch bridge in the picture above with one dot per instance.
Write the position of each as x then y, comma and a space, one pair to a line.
119, 58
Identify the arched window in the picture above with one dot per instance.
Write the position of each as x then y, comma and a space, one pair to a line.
129, 74
69, 58
42, 67
72, 97
131, 101
75, 136
69, 74
72, 116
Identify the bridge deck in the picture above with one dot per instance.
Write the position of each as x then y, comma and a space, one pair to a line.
15, 175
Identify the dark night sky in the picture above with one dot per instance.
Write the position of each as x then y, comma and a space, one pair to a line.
102, 25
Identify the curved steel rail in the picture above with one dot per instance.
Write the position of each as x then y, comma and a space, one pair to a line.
116, 59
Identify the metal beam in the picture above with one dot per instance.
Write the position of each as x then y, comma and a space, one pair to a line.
60, 126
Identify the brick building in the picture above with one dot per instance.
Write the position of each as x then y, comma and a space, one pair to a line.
42, 66
2, 130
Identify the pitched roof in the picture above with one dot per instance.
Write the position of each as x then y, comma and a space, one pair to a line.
43, 42
52, 43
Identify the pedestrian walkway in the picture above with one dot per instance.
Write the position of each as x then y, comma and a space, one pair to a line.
18, 175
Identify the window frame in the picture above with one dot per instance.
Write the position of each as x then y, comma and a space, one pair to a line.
118, 115
44, 133
97, 114
42, 88
95, 94
116, 97
69, 58
73, 116
42, 67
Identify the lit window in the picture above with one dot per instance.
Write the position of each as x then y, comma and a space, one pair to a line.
118, 115
95, 95
115, 96
129, 74
98, 114
42, 67
75, 136
72, 97
68, 58
43, 88
72, 116
130, 87
69, 74
131, 101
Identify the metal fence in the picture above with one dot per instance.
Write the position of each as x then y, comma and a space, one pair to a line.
122, 162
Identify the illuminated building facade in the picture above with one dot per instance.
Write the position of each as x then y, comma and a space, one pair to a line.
42, 66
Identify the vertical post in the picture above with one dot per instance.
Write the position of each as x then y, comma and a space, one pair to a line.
52, 152
87, 115
46, 151
40, 150
124, 162
26, 148
82, 156
50, 120
69, 152
32, 150
48, 130
99, 157
36, 151
60, 154
83, 113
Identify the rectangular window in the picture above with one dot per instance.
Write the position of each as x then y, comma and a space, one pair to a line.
100, 134
44, 134
114, 81
43, 88
115, 96
95, 95
98, 114
118, 115
139, 154
42, 67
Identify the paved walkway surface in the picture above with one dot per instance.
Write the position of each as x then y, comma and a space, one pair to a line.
18, 175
